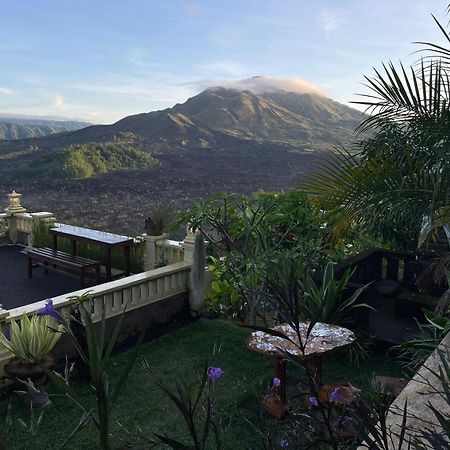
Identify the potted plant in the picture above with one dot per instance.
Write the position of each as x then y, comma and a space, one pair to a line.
31, 343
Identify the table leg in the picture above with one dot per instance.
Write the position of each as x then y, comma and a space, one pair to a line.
108, 263
280, 373
275, 402
97, 273
126, 251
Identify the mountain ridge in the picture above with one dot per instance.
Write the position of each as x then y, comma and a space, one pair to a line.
277, 117
13, 128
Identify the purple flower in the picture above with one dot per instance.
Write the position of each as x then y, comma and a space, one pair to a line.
214, 373
284, 443
342, 422
276, 382
335, 396
313, 401
49, 310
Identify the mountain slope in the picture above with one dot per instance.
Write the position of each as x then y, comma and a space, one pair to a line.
277, 116
215, 118
16, 128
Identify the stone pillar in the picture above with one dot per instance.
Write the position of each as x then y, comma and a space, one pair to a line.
189, 244
14, 207
151, 250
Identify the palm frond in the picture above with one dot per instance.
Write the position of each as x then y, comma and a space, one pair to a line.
402, 95
356, 191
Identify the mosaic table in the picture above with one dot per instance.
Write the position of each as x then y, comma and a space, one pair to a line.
323, 338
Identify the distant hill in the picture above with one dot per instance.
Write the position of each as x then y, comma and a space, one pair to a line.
85, 160
18, 128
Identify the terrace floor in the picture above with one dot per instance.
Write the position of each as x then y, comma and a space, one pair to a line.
16, 289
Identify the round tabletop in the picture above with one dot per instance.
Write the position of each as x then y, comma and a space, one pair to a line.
323, 338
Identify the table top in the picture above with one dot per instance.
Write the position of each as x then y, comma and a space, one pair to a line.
91, 235
322, 339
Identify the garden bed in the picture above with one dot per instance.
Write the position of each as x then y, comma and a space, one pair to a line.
246, 375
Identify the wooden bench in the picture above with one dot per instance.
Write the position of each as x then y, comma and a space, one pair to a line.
64, 263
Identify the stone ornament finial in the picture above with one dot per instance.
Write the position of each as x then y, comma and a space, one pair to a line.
14, 205
190, 233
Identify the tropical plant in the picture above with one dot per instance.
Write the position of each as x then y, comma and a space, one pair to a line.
223, 298
34, 339
98, 358
398, 182
328, 302
196, 404
245, 235
159, 219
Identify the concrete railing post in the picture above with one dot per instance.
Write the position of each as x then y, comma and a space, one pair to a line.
5, 355
14, 207
152, 251
189, 244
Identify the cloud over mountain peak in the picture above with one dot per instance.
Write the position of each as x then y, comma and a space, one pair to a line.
263, 84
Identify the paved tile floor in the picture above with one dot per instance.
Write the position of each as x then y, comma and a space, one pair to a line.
16, 289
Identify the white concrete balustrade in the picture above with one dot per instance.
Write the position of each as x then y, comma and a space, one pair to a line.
160, 251
170, 251
131, 292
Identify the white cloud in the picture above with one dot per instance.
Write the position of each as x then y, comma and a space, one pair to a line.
6, 91
58, 102
265, 84
330, 21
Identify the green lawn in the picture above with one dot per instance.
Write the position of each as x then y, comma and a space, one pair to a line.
176, 354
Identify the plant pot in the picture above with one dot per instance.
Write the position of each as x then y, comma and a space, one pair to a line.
17, 369
36, 399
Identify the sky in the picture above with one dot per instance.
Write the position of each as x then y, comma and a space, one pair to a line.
101, 60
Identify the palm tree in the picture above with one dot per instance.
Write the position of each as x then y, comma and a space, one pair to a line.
398, 181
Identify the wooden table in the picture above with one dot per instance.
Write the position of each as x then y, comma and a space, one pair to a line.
323, 338
101, 238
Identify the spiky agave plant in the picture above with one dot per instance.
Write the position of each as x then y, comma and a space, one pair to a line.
34, 339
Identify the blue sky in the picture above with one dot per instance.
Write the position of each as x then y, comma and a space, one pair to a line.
101, 60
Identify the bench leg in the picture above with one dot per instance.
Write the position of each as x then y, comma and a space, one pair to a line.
97, 273
30, 267
108, 263
126, 251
